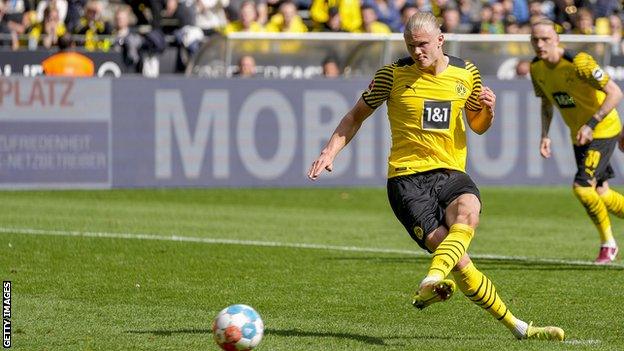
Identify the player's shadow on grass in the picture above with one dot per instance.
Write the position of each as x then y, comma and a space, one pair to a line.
490, 264
302, 333
371, 340
290, 333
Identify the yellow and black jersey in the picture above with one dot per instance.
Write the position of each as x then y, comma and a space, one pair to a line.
575, 86
425, 113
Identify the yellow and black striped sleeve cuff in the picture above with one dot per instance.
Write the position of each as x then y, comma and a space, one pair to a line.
473, 103
380, 87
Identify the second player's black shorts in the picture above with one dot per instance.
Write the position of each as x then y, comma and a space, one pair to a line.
419, 200
592, 161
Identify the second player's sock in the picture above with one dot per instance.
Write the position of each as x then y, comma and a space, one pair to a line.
597, 211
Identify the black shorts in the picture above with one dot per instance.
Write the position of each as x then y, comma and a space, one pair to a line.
592, 161
419, 200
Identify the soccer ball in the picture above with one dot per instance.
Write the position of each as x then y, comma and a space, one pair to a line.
238, 327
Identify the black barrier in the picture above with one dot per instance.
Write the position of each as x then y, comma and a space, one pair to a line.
107, 64
28, 63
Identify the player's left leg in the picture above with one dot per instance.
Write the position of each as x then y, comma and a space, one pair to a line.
477, 287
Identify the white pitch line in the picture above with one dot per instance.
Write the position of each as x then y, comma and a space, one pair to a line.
139, 236
582, 342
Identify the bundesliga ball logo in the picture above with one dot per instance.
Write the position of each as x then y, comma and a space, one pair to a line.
238, 327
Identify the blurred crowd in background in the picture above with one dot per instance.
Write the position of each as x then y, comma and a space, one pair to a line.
137, 27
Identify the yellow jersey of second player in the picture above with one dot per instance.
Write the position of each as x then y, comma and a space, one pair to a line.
575, 86
425, 113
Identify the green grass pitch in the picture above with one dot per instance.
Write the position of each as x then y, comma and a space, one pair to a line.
327, 269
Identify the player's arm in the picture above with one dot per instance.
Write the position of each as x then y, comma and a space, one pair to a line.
613, 98
480, 104
346, 130
378, 91
547, 116
481, 120
547, 110
589, 71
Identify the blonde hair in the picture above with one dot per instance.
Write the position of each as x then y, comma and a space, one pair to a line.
543, 21
422, 21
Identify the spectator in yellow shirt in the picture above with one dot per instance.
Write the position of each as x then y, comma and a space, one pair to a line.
584, 22
47, 32
370, 23
94, 27
350, 14
287, 20
333, 24
247, 21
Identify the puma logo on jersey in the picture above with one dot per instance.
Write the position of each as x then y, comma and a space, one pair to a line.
418, 232
411, 87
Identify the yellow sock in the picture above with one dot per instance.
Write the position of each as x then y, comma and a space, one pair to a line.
480, 290
450, 250
614, 202
597, 211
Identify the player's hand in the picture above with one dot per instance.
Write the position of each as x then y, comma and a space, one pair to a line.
323, 162
545, 147
585, 135
488, 98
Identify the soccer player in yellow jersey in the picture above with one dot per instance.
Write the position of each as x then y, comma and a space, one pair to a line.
586, 99
428, 189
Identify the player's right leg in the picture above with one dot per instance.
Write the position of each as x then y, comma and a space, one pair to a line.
460, 199
419, 211
461, 204
435, 290
462, 217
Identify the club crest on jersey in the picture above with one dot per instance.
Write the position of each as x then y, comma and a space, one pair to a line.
461, 89
570, 77
418, 232
598, 73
